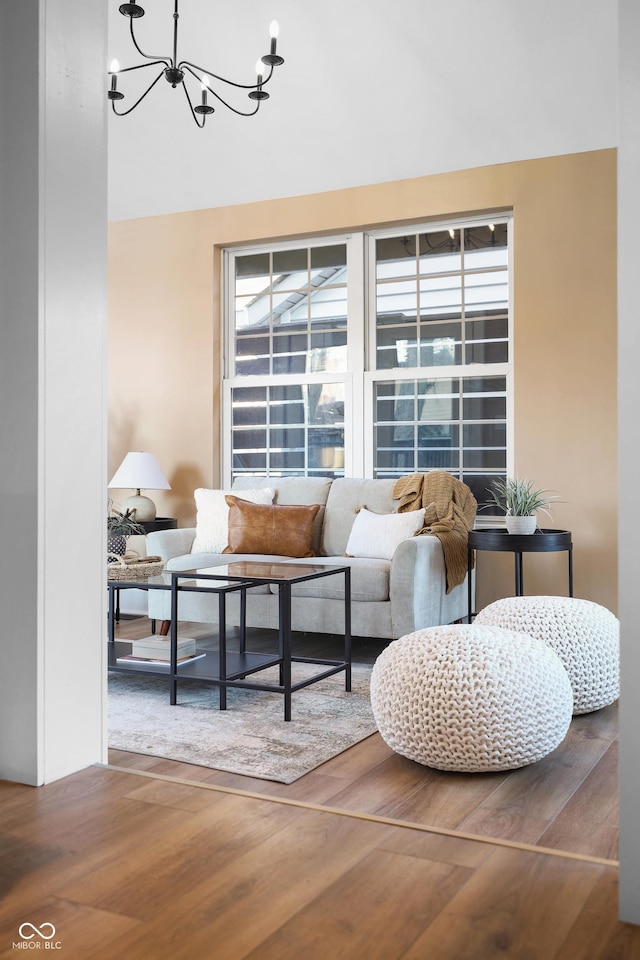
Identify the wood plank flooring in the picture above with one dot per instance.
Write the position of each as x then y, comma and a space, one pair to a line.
368, 857
124, 864
567, 801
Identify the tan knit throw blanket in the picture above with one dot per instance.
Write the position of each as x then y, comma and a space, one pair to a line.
450, 510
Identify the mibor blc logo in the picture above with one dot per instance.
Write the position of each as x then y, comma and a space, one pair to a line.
37, 938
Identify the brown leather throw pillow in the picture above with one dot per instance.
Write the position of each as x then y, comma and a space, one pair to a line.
280, 529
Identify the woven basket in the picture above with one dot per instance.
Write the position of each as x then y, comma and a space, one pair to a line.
132, 566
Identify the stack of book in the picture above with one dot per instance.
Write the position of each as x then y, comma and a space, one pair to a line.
157, 650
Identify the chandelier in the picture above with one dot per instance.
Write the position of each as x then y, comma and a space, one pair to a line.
175, 72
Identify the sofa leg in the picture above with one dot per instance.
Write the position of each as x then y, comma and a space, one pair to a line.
164, 628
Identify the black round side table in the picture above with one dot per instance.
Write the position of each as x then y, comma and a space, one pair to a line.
542, 541
160, 523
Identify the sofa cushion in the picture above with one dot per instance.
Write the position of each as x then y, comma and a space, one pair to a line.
193, 561
377, 535
369, 580
212, 517
308, 490
345, 496
284, 529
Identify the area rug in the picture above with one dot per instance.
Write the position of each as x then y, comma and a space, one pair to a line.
250, 737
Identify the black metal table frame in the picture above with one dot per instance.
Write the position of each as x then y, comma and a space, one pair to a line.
284, 658
232, 667
233, 670
115, 586
494, 539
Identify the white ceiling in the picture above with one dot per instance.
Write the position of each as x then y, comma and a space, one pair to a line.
369, 92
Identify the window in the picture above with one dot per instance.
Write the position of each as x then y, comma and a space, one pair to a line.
374, 354
288, 429
441, 335
289, 358
291, 311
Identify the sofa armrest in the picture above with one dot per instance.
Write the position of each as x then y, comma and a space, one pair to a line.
418, 587
170, 543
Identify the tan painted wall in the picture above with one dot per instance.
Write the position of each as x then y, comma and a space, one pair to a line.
165, 344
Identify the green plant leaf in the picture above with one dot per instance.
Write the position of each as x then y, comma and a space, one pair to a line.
123, 523
519, 498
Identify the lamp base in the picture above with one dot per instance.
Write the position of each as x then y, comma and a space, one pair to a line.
145, 509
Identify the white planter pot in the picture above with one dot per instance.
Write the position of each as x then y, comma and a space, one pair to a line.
521, 524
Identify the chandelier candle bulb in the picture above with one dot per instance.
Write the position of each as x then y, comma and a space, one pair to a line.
203, 109
272, 59
113, 93
274, 30
259, 72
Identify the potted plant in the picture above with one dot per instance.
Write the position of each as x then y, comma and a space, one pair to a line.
120, 525
520, 501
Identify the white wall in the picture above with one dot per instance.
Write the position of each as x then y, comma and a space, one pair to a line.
52, 387
370, 92
629, 453
19, 304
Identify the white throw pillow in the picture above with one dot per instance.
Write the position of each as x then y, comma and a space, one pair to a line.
212, 517
376, 535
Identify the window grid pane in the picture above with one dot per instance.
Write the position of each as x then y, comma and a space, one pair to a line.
456, 424
283, 299
290, 430
433, 292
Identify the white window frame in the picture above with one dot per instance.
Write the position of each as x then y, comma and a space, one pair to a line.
361, 376
351, 377
372, 375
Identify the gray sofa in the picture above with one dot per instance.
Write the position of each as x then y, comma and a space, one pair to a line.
389, 598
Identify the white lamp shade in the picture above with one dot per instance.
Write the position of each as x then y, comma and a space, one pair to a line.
139, 471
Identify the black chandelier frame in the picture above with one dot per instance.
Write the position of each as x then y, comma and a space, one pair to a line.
174, 70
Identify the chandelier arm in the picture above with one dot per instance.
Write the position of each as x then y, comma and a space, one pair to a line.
123, 113
193, 113
240, 113
166, 60
138, 66
240, 86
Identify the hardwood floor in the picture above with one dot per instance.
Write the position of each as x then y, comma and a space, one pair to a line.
567, 801
368, 857
127, 865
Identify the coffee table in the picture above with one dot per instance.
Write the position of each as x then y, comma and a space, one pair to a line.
245, 662
230, 668
245, 574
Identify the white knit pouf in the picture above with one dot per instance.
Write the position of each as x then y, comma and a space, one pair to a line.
471, 698
585, 636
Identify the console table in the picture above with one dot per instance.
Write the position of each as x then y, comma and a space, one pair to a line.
542, 541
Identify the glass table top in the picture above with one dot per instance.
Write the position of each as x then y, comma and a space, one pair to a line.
266, 570
232, 574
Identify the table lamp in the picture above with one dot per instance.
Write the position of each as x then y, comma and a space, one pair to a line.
140, 471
